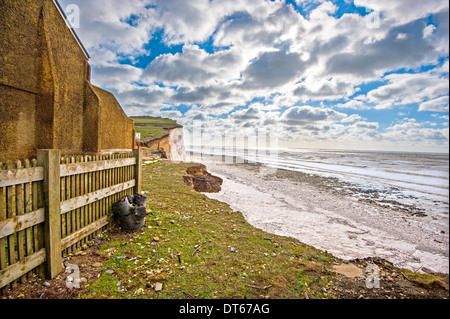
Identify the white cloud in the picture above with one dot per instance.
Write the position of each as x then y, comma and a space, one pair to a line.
140, 100
117, 76
353, 104
352, 118
304, 115
272, 69
410, 132
122, 27
196, 20
250, 113
266, 51
403, 11
367, 125
331, 89
408, 88
194, 67
439, 104
403, 46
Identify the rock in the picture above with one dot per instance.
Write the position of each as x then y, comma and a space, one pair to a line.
202, 181
139, 291
109, 271
46, 284
233, 249
97, 265
158, 286
159, 223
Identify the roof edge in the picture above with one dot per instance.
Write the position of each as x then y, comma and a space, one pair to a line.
71, 29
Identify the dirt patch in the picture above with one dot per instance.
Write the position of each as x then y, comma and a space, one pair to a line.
202, 181
394, 283
350, 270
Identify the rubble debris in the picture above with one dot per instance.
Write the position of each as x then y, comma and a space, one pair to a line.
201, 180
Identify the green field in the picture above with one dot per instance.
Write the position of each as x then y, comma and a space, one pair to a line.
152, 128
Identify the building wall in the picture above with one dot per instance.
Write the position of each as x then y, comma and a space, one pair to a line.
115, 126
46, 98
19, 35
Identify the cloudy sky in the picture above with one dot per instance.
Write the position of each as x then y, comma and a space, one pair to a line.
359, 74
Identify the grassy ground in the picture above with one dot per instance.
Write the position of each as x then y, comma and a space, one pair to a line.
153, 127
199, 248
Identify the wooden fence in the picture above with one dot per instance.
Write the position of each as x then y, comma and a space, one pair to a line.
53, 205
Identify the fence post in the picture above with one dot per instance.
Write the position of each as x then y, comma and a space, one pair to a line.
138, 171
50, 160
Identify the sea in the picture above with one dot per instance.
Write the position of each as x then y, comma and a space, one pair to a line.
411, 178
417, 183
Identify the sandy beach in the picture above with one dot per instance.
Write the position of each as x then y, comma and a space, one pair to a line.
319, 212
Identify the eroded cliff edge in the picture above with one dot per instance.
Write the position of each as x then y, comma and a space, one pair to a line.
160, 137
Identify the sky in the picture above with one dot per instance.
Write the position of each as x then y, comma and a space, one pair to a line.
346, 74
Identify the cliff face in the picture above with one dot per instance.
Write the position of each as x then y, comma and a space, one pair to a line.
201, 180
176, 144
172, 144
162, 143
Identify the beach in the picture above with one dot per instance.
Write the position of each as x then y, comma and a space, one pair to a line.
328, 214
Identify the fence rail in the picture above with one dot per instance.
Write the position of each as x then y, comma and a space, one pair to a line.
52, 205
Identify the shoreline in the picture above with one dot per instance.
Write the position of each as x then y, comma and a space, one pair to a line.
322, 212
197, 247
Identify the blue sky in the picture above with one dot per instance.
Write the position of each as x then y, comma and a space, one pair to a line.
341, 74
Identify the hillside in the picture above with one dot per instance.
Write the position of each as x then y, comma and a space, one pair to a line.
152, 128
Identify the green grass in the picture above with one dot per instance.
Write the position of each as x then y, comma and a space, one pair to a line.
152, 128
199, 247
154, 121
203, 233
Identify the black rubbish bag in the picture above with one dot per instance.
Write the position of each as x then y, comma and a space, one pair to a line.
130, 211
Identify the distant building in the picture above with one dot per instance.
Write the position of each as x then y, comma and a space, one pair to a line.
46, 98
